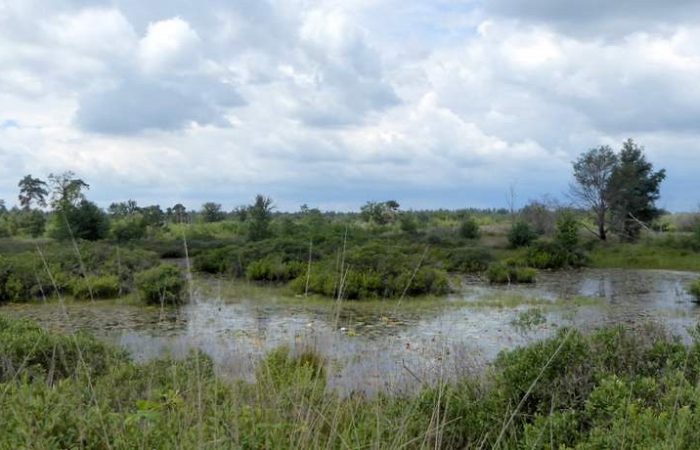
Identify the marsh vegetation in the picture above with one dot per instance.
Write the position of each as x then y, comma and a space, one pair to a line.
551, 326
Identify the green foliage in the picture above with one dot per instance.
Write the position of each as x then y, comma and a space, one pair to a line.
32, 190
94, 287
566, 234
620, 189
468, 259
521, 234
553, 255
163, 284
634, 189
27, 350
469, 228
371, 283
23, 276
82, 221
129, 228
593, 171
274, 269
211, 212
408, 223
32, 223
280, 368
380, 213
694, 289
260, 215
614, 388
499, 273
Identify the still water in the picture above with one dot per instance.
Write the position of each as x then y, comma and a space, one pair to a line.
387, 346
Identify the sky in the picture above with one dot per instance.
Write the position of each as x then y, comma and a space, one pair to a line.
331, 103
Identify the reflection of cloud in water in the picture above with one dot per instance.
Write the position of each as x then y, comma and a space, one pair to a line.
379, 346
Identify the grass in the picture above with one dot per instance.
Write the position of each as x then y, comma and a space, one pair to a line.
506, 301
611, 389
644, 255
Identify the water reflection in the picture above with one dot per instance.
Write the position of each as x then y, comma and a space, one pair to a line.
380, 346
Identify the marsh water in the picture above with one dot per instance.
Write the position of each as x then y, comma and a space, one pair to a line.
373, 346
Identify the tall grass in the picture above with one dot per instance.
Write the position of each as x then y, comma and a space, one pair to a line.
614, 388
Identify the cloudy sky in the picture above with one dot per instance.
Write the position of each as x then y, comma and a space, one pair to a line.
434, 103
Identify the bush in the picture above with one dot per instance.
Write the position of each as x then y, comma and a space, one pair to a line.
521, 235
282, 369
274, 269
84, 221
28, 349
162, 284
694, 290
408, 223
469, 228
551, 255
469, 259
92, 286
499, 273
369, 283
128, 229
567, 232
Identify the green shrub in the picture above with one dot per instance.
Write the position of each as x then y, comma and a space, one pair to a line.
282, 369
552, 255
694, 289
521, 234
468, 259
566, 235
163, 284
499, 273
106, 286
128, 229
469, 228
408, 223
370, 283
525, 274
29, 350
274, 269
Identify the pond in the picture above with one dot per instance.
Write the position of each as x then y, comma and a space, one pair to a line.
380, 346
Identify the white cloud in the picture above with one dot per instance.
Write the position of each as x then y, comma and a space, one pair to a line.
169, 45
332, 100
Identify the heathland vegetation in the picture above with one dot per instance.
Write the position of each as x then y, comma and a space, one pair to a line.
380, 252
612, 388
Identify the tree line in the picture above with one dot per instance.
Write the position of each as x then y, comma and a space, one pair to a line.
618, 188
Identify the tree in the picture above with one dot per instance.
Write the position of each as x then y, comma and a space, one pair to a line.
240, 213
211, 212
179, 212
32, 222
82, 221
380, 213
123, 209
591, 189
66, 190
153, 215
634, 189
260, 214
32, 190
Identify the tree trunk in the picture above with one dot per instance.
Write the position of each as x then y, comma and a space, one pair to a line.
601, 227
